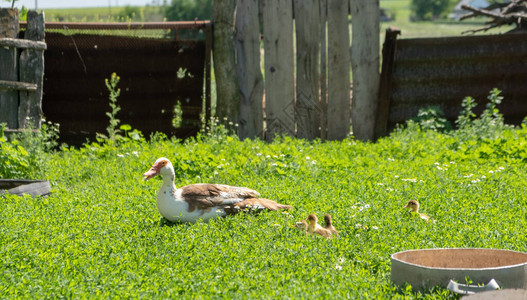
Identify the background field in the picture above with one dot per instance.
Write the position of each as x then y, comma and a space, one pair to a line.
399, 9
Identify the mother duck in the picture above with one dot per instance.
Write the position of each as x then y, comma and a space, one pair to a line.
203, 201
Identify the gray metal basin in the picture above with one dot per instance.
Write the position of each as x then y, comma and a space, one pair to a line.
427, 268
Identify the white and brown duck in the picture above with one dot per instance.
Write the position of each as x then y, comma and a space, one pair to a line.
203, 201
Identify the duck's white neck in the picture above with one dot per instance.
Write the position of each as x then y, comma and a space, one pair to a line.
168, 182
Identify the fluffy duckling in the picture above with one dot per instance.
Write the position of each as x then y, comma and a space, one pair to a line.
302, 226
329, 225
314, 228
414, 208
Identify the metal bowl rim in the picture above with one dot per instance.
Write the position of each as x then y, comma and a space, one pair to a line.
439, 268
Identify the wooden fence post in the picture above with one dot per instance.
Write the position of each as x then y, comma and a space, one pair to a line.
9, 28
338, 114
248, 68
388, 58
279, 67
228, 97
32, 71
365, 67
323, 69
307, 108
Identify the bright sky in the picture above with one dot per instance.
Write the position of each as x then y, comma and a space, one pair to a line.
30, 4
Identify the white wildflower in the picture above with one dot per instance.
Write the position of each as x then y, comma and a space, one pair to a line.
409, 179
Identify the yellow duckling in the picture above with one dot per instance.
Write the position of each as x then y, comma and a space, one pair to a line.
414, 209
329, 225
314, 228
301, 225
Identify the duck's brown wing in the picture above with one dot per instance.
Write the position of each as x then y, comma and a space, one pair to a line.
205, 195
231, 198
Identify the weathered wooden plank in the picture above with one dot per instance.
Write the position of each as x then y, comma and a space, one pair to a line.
365, 66
32, 70
20, 186
339, 106
17, 86
228, 96
250, 77
279, 67
323, 70
307, 107
22, 44
9, 28
383, 107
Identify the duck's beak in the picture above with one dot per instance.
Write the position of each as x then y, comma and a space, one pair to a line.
153, 172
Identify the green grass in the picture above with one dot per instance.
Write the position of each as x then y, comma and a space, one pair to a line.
99, 234
105, 14
439, 28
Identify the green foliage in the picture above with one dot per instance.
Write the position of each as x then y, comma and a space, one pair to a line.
25, 154
177, 120
429, 9
130, 12
14, 159
431, 118
114, 134
490, 125
188, 10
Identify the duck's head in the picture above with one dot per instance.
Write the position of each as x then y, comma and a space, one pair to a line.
301, 225
162, 167
413, 205
312, 219
327, 219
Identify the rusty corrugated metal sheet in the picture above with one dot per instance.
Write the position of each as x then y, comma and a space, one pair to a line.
75, 95
443, 71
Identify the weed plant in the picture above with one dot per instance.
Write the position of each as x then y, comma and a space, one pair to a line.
99, 234
24, 155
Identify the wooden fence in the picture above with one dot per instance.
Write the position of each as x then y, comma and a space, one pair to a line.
306, 93
22, 69
440, 72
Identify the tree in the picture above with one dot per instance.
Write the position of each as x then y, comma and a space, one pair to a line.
429, 9
188, 10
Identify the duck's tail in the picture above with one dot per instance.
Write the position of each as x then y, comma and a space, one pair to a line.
258, 204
